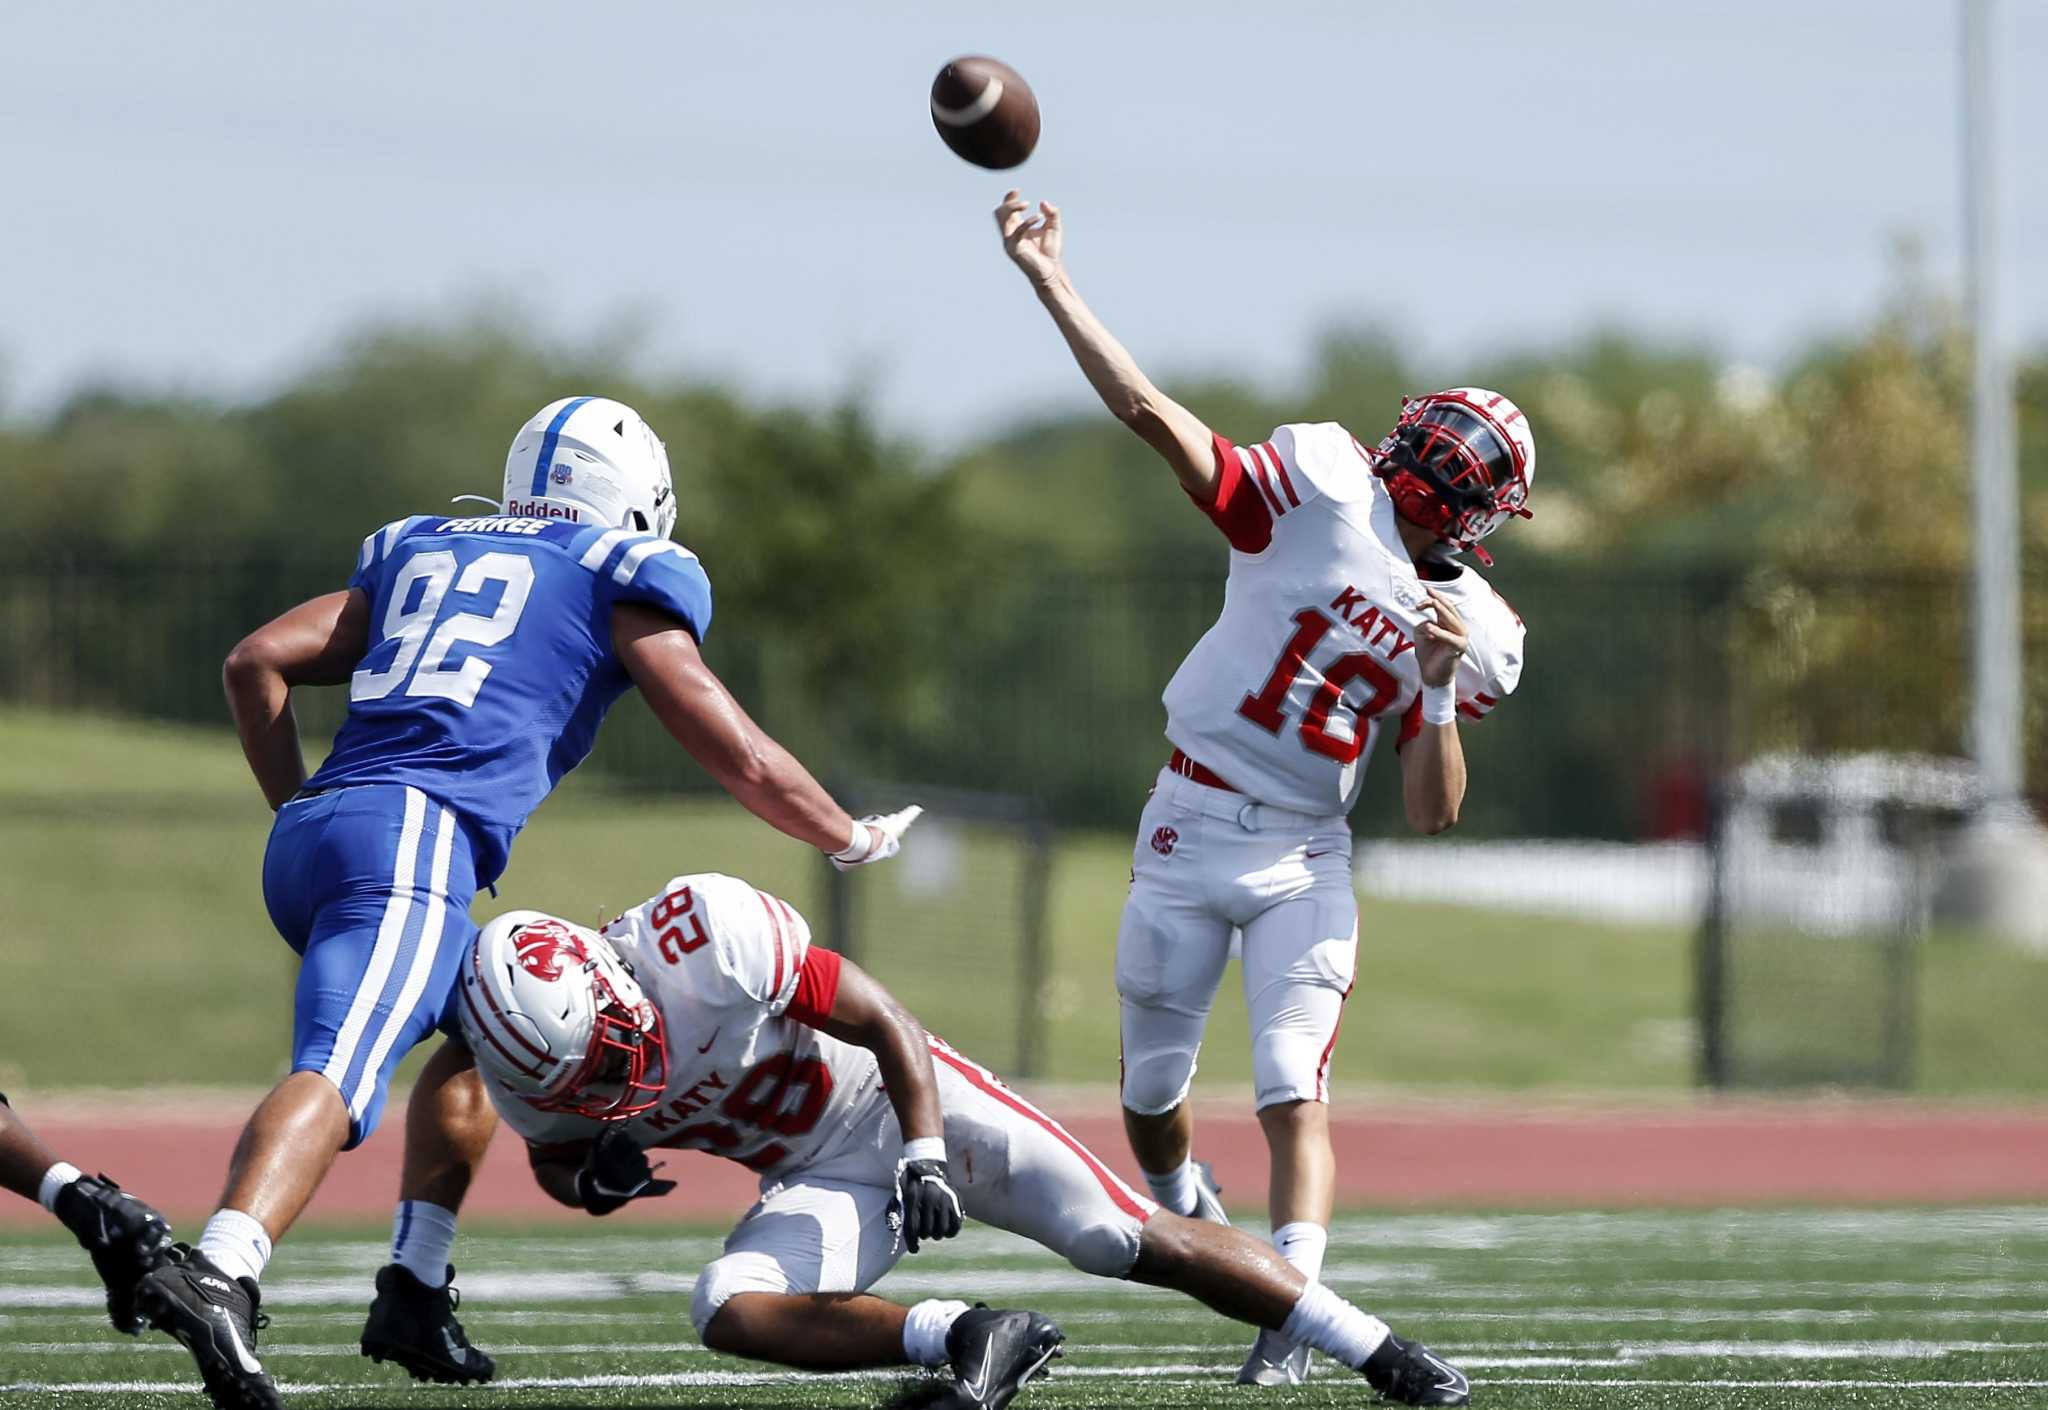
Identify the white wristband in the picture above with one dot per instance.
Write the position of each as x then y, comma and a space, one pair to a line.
1440, 704
925, 1148
858, 846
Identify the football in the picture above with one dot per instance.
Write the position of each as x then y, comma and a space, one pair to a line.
985, 111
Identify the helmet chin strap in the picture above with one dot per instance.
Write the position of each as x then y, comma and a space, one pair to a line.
496, 507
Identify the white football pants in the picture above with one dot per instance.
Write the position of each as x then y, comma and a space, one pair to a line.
825, 1227
1207, 862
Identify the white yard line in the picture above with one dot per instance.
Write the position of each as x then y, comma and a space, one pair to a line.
1188, 1373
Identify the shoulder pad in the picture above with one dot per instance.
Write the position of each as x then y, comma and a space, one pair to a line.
640, 567
1327, 460
377, 547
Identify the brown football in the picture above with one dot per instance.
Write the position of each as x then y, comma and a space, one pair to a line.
985, 111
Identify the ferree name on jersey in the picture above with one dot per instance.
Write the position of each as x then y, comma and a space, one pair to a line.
1313, 658
489, 664
722, 961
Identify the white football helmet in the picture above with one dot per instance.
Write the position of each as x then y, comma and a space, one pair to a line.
552, 1012
590, 460
1460, 462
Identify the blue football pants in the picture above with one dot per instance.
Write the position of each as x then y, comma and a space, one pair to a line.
371, 885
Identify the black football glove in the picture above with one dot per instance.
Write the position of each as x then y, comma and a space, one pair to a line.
925, 1206
616, 1173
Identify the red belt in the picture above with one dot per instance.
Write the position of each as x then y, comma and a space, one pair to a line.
1187, 768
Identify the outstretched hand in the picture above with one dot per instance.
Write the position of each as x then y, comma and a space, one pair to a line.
1033, 242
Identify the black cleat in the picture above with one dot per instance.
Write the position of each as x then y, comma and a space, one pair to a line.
993, 1354
1411, 1374
414, 1325
125, 1237
216, 1318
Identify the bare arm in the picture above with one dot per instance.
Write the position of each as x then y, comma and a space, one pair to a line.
868, 1016
694, 706
555, 1167
1433, 764
1179, 436
316, 643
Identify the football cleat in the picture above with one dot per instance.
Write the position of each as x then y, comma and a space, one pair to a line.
125, 1237
1409, 1373
1208, 1195
1275, 1361
993, 1353
414, 1325
216, 1318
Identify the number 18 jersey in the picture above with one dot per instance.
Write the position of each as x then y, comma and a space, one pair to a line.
490, 663
1313, 657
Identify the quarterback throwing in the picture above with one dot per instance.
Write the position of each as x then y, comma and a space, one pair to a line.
1347, 620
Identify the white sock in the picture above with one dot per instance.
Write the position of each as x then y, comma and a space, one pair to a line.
422, 1237
924, 1331
54, 1180
236, 1243
1301, 1244
1333, 1326
1176, 1188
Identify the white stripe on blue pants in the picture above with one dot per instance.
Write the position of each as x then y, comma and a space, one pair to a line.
372, 885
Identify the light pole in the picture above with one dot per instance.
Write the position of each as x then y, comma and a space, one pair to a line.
1996, 728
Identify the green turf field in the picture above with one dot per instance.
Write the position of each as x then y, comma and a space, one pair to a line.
132, 888
1896, 1309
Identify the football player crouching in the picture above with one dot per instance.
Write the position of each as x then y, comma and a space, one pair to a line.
706, 1019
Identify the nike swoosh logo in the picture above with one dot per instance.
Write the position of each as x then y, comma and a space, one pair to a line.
1326, 852
712, 1039
249, 1363
978, 1387
1454, 1379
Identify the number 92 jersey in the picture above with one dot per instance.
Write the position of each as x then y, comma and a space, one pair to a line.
490, 663
1313, 657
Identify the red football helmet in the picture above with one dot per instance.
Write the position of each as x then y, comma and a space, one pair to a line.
554, 1014
1459, 463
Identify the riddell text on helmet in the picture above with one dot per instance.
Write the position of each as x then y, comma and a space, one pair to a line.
538, 509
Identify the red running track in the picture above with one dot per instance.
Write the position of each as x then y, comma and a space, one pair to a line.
1402, 1155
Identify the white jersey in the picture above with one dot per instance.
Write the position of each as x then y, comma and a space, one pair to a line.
1313, 658
723, 962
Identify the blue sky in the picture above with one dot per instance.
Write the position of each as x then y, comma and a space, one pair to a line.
209, 196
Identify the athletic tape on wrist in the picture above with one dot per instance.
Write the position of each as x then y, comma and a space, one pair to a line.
1440, 704
925, 1148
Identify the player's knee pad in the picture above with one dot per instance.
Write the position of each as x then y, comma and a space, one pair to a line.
1159, 1050
1291, 1048
1156, 1082
1107, 1248
726, 1278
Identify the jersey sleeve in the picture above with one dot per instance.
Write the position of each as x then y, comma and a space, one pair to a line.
635, 567
1257, 486
376, 549
1492, 665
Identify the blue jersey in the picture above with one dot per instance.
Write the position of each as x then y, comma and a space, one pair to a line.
490, 662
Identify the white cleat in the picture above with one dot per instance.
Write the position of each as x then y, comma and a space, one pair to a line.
1208, 1195
1274, 1361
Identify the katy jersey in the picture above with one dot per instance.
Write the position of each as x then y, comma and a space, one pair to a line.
728, 966
1313, 658
490, 663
